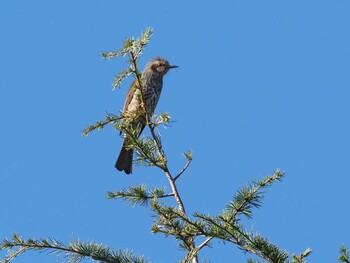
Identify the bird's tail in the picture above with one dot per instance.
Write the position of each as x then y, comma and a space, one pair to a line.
124, 162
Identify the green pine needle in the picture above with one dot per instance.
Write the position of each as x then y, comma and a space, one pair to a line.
75, 252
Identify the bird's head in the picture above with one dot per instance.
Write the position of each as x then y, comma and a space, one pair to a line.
160, 65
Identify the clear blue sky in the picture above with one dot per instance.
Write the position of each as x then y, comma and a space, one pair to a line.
261, 85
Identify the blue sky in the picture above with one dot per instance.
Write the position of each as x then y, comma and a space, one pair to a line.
261, 85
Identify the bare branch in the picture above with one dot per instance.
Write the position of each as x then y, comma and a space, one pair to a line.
183, 169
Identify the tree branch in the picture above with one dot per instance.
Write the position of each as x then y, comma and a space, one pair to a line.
75, 252
183, 169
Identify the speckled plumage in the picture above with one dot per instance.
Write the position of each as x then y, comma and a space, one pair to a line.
152, 83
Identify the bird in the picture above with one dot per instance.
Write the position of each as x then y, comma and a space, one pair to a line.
151, 87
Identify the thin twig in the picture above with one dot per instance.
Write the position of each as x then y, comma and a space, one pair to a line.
183, 169
167, 195
161, 196
159, 147
205, 242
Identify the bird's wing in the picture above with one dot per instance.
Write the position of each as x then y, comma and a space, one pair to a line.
129, 96
128, 99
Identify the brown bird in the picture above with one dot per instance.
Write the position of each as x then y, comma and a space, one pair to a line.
152, 83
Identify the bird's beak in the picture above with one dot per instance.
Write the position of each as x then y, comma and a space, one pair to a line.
173, 66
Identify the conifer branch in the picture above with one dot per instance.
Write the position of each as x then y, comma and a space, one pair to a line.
188, 155
139, 195
130, 45
120, 77
344, 255
251, 196
75, 252
110, 118
300, 258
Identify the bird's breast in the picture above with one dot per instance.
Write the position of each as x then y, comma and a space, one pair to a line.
151, 94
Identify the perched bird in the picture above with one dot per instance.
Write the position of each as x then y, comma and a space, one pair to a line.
152, 83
